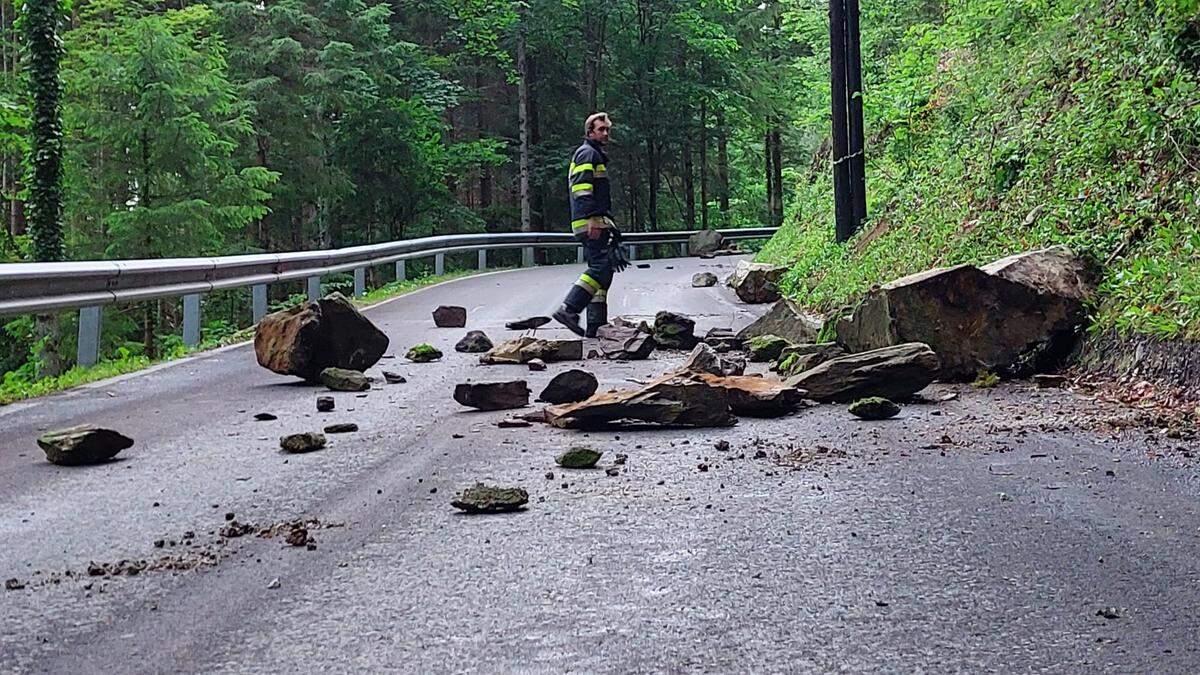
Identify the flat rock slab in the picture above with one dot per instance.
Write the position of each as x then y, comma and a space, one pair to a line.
83, 444
481, 498
569, 387
525, 349
450, 316
474, 342
754, 396
341, 428
625, 342
326, 333
672, 400
493, 395
756, 282
306, 442
787, 320
796, 359
895, 372
341, 379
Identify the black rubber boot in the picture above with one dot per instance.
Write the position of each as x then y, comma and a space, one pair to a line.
597, 315
570, 319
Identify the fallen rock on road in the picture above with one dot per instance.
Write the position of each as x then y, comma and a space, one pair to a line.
674, 331
474, 342
624, 341
895, 372
493, 395
83, 444
578, 458
423, 353
874, 408
756, 282
525, 349
341, 379
326, 333
481, 498
569, 387
305, 442
450, 316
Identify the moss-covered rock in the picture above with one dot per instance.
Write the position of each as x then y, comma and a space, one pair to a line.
874, 408
766, 347
578, 458
423, 353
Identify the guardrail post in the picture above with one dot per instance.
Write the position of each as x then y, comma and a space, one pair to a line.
633, 252
314, 288
360, 281
579, 255
258, 301
191, 319
87, 352
439, 264
482, 259
400, 271
683, 249
527, 256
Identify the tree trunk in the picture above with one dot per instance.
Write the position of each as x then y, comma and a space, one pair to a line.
703, 164
485, 169
722, 167
652, 170
777, 177
689, 182
523, 123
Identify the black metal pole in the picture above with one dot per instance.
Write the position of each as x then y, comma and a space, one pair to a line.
843, 208
858, 175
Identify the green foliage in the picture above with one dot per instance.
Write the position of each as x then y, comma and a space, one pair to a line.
985, 379
1004, 126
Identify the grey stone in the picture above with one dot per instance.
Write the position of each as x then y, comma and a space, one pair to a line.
341, 379
895, 372
83, 444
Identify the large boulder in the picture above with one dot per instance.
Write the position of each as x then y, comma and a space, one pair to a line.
450, 316
894, 372
83, 444
799, 358
674, 331
569, 387
525, 349
672, 400
625, 341
325, 333
1017, 316
705, 242
766, 347
755, 396
493, 395
756, 282
786, 320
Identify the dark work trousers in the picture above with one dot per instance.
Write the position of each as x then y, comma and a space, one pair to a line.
593, 284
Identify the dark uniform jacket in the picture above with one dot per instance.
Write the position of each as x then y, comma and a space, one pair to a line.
588, 181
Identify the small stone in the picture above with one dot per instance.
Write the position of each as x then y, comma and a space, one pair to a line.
342, 379
450, 316
549, 475
493, 395
1109, 613
273, 584
702, 466
298, 536
513, 423
341, 428
305, 442
704, 280
621, 458
423, 353
722, 445
265, 417
481, 498
578, 458
84, 444
324, 403
393, 377
13, 584
474, 342
612, 471
643, 266
1004, 496
537, 364
874, 408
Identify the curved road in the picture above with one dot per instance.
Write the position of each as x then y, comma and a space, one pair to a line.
1000, 530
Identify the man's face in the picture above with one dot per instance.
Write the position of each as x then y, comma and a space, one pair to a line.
600, 131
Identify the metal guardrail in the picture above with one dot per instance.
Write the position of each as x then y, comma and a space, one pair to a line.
28, 288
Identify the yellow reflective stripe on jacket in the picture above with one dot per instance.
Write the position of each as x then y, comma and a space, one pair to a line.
579, 168
589, 281
581, 186
580, 224
600, 170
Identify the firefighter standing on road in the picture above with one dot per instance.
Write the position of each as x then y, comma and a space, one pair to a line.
592, 224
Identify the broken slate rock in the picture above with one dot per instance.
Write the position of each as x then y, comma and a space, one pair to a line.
674, 331
874, 408
450, 316
625, 342
340, 379
481, 498
324, 403
305, 442
529, 323
569, 387
524, 349
756, 282
537, 364
704, 280
755, 396
326, 333
493, 395
474, 342
423, 353
578, 458
704, 359
704, 243
393, 378
895, 372
83, 444
787, 320
766, 347
723, 340
675, 399
341, 428
796, 359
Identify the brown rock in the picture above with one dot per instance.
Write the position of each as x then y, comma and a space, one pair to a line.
787, 320
674, 331
754, 396
326, 333
895, 372
474, 342
672, 400
450, 316
525, 349
493, 395
569, 386
626, 342
756, 282
1023, 318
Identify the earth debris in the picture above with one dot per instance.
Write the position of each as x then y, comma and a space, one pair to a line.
83, 444
481, 498
303, 442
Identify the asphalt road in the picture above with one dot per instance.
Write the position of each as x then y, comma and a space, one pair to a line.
1003, 530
